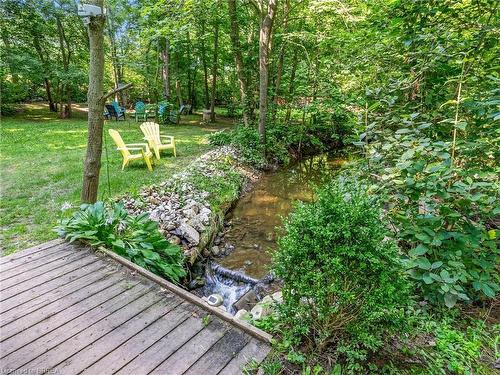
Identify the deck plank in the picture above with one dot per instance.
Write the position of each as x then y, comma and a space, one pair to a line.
46, 299
109, 342
136, 345
50, 286
66, 309
18, 280
66, 349
44, 342
219, 355
254, 350
26, 263
30, 251
153, 356
53, 274
190, 352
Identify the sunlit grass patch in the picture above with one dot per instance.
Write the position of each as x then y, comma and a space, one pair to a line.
42, 167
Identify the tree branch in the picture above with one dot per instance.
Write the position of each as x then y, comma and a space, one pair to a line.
113, 92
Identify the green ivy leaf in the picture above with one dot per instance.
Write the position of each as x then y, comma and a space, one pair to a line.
423, 263
450, 300
419, 250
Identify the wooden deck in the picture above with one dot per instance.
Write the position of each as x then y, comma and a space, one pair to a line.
66, 310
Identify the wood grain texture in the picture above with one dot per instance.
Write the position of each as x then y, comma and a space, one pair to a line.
70, 310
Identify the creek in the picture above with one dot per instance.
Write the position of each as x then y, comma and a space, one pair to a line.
253, 225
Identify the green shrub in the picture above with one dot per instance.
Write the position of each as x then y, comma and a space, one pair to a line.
134, 237
344, 285
7, 109
220, 138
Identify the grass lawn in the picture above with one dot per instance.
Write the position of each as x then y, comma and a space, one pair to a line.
41, 166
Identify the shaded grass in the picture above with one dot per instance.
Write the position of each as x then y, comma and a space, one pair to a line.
41, 166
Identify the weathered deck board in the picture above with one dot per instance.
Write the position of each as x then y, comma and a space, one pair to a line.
68, 310
28, 252
51, 286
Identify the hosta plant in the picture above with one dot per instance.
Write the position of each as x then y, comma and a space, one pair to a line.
134, 237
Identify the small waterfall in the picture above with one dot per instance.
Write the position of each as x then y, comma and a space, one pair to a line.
230, 284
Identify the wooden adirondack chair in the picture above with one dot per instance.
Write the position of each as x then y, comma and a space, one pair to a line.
144, 151
152, 134
140, 111
112, 112
118, 109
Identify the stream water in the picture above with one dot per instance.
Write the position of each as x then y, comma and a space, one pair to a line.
255, 222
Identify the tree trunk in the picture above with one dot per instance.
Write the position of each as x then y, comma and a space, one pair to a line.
291, 87
201, 37
165, 72
96, 107
178, 90
281, 61
264, 40
214, 71
236, 46
46, 81
189, 72
65, 97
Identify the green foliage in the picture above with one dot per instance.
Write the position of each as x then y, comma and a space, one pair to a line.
350, 288
443, 208
282, 141
454, 342
135, 238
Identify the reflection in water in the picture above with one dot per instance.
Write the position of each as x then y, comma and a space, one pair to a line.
258, 214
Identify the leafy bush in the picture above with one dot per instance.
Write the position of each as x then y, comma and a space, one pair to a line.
282, 141
220, 138
135, 238
344, 284
7, 109
443, 210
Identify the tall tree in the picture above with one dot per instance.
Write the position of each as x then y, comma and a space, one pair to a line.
236, 48
165, 71
268, 12
214, 69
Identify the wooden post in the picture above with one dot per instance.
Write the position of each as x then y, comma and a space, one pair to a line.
96, 107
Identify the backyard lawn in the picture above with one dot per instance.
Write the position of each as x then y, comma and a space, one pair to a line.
42, 165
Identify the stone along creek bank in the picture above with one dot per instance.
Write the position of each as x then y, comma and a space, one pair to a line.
190, 206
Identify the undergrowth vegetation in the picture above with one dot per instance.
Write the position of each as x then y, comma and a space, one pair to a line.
136, 238
350, 290
321, 132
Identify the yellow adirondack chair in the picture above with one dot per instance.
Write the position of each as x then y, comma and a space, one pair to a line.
145, 152
152, 134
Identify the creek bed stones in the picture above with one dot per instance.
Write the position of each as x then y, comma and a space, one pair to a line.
181, 205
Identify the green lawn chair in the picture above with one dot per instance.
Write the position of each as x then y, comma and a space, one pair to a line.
151, 111
140, 111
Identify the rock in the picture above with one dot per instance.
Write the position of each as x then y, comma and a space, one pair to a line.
247, 263
170, 226
277, 296
215, 250
189, 233
174, 240
259, 311
217, 240
267, 300
153, 200
206, 253
242, 315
